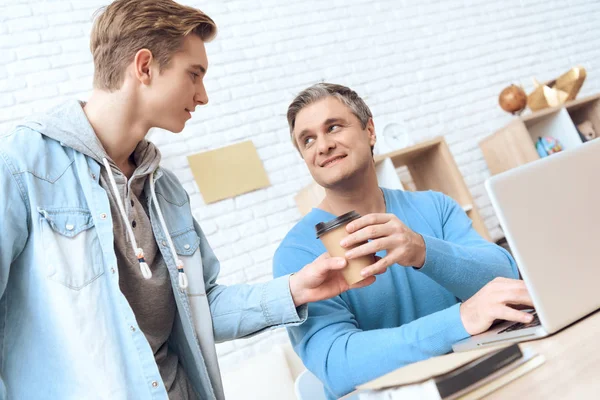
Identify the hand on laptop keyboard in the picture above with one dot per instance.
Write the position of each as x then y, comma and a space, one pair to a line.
519, 325
494, 301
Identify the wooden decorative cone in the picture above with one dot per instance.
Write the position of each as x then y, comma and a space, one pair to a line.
571, 81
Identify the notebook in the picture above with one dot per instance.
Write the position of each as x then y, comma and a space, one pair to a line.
453, 376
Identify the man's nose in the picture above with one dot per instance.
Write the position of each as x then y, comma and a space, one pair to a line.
201, 96
325, 144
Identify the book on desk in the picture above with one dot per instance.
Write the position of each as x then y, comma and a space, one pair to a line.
466, 376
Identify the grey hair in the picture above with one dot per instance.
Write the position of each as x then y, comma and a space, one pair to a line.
322, 90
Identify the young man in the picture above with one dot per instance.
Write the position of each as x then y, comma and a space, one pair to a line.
107, 284
430, 259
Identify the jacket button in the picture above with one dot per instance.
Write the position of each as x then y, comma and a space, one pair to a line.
187, 246
154, 384
70, 227
132, 328
103, 216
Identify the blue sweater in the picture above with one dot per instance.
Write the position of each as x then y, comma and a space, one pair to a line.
407, 315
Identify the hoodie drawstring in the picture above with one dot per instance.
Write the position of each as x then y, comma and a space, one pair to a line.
139, 252
183, 281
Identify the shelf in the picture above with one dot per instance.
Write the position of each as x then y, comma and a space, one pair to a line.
587, 111
409, 154
514, 144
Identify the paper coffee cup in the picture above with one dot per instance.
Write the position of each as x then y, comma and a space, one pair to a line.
331, 234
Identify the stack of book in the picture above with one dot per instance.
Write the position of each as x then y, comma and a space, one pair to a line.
465, 376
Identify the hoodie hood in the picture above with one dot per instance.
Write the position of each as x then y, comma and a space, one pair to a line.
68, 124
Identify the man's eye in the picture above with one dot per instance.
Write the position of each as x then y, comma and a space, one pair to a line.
194, 76
333, 127
308, 141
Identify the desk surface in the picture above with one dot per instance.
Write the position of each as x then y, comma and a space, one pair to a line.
571, 370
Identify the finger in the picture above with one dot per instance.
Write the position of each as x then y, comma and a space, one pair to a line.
520, 307
510, 314
523, 302
365, 282
368, 248
323, 256
366, 220
366, 233
519, 295
377, 268
328, 264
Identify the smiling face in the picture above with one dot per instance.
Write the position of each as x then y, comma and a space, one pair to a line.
333, 142
173, 93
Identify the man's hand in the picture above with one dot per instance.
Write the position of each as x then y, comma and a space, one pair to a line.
322, 279
494, 302
385, 232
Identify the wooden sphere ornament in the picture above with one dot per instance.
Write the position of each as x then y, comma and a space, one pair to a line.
513, 99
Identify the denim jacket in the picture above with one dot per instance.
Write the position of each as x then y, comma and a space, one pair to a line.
66, 330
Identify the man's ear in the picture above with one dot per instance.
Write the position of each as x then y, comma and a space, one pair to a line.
371, 132
142, 63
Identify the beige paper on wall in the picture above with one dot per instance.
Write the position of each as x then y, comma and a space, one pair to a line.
228, 171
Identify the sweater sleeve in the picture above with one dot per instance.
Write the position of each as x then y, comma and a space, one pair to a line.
461, 260
334, 347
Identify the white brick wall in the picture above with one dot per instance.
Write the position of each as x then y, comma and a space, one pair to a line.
437, 65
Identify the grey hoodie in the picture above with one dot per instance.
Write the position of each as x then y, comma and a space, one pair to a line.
152, 300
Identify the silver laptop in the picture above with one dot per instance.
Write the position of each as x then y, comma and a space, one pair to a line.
550, 213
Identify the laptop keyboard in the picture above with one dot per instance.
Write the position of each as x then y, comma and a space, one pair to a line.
519, 325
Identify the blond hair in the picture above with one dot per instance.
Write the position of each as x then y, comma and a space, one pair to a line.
322, 90
126, 26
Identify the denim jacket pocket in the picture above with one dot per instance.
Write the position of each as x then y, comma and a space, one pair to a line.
71, 246
187, 243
